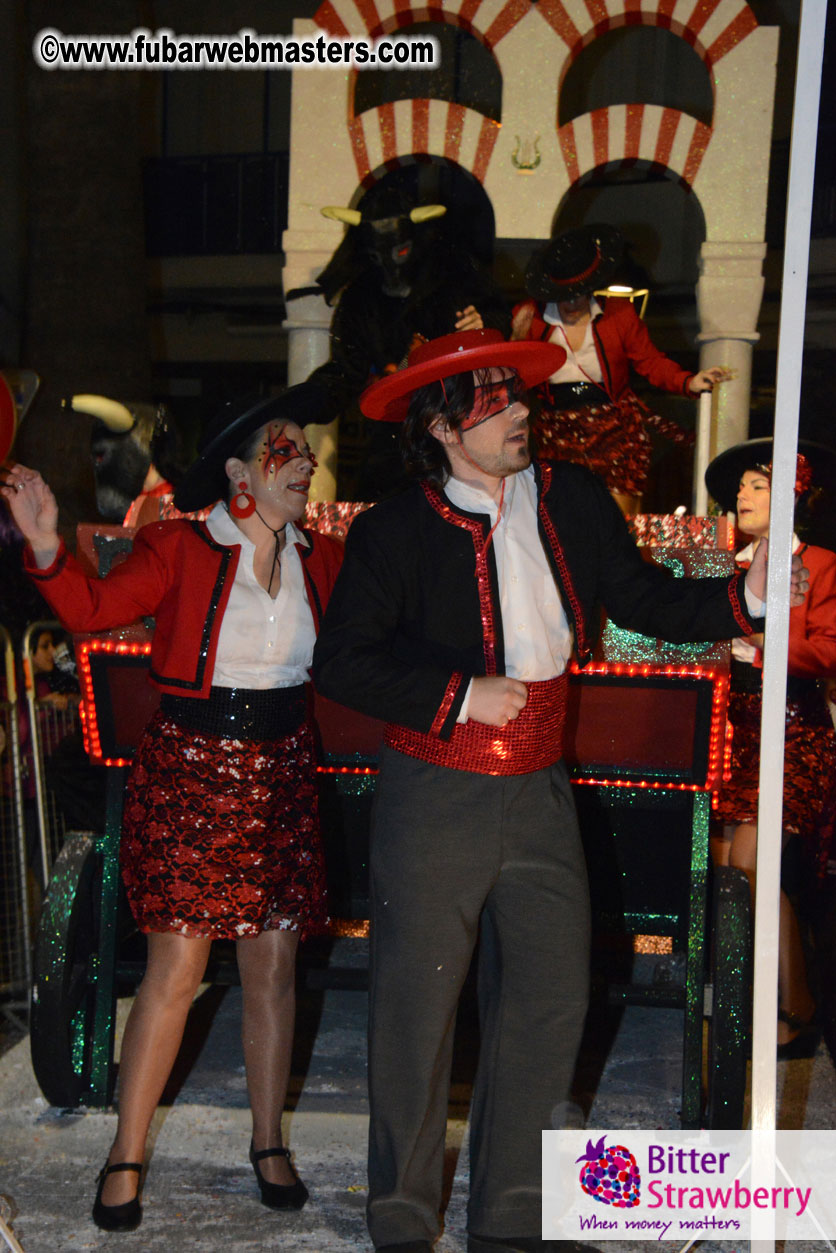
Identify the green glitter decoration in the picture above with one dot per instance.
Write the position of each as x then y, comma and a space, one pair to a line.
695, 964
78, 1025
631, 648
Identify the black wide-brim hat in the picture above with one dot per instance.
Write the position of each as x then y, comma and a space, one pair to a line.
574, 263
206, 479
460, 353
723, 475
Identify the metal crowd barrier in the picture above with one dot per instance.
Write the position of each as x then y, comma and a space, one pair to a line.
32, 826
15, 923
49, 726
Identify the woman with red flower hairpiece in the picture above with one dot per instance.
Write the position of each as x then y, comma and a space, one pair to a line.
741, 477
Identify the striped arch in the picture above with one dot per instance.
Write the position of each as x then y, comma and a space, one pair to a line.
634, 132
489, 20
384, 138
711, 27
630, 132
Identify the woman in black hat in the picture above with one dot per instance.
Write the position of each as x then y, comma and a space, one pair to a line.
589, 412
740, 479
220, 834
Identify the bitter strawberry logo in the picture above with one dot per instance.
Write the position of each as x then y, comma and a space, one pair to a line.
610, 1174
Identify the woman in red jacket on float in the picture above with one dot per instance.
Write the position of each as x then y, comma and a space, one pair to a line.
220, 835
589, 413
740, 478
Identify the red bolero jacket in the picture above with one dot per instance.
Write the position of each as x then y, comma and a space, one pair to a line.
621, 339
812, 644
181, 576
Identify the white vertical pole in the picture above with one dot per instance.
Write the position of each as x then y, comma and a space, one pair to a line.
790, 348
702, 454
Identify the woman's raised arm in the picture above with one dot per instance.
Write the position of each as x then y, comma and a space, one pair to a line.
35, 511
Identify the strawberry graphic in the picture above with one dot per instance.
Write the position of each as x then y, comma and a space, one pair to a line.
610, 1174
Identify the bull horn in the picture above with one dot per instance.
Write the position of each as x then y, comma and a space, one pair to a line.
423, 213
116, 416
351, 217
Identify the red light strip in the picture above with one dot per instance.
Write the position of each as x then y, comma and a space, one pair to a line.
717, 757
87, 709
718, 760
346, 770
645, 669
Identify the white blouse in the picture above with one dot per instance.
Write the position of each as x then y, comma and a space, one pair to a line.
263, 643
582, 366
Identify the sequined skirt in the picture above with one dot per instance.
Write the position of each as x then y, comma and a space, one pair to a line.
809, 770
608, 438
220, 837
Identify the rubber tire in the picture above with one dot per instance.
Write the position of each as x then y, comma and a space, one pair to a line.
729, 1041
61, 1012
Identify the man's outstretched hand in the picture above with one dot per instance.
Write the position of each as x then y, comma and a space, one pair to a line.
756, 575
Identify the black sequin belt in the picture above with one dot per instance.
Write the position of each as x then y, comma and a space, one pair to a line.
240, 713
570, 395
748, 678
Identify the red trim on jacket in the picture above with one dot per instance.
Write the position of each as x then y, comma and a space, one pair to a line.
482, 577
735, 586
444, 708
581, 644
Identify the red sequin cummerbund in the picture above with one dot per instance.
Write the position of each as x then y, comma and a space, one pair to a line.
531, 741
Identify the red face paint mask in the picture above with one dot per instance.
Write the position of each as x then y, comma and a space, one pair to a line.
279, 450
491, 399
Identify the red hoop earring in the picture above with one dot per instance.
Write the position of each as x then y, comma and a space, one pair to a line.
245, 510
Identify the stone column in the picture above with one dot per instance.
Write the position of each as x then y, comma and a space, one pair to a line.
308, 324
729, 293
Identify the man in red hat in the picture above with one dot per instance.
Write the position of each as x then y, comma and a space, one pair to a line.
458, 607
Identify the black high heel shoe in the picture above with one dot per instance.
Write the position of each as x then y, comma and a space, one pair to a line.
125, 1217
802, 1045
278, 1195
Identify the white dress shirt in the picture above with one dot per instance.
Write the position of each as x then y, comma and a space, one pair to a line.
538, 637
582, 366
263, 643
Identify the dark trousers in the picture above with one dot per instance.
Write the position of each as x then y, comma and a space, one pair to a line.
454, 856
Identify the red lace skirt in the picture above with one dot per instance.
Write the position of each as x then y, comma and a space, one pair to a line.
809, 771
609, 438
220, 837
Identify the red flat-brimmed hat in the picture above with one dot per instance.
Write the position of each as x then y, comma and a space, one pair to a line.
388, 399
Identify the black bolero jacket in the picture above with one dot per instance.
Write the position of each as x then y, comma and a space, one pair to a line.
415, 611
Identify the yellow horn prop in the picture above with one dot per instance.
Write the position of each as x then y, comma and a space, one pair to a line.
424, 212
351, 217
116, 416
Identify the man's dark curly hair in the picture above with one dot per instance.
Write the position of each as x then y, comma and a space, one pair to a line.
424, 456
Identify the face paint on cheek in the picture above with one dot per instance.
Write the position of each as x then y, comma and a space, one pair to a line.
279, 450
491, 399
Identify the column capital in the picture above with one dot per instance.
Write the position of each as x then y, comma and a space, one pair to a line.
709, 337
